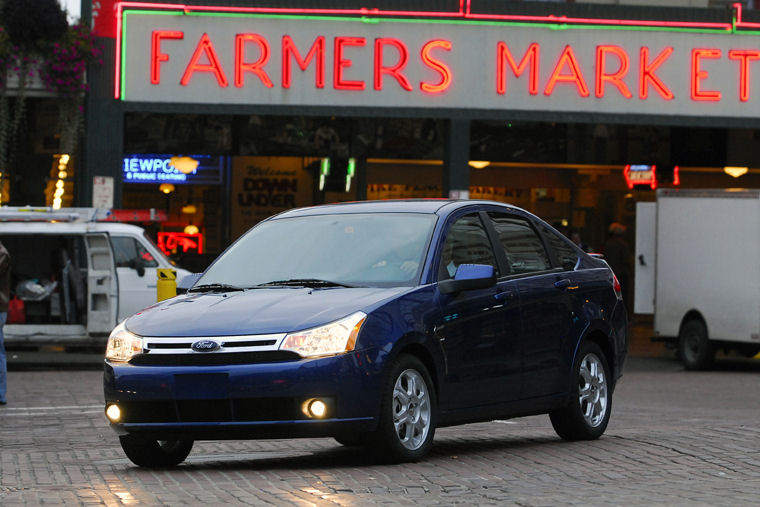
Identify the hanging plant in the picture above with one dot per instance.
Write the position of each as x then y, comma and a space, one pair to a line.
64, 74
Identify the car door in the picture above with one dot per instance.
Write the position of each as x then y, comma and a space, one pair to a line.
102, 284
479, 329
545, 304
136, 269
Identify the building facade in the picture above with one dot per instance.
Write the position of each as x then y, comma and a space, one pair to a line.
573, 111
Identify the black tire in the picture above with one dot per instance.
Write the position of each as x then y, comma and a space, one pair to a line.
155, 453
408, 395
694, 349
588, 412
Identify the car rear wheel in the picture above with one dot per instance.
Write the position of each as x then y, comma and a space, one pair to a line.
696, 351
407, 413
587, 414
155, 453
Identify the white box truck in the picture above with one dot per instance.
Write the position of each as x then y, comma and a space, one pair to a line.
75, 276
698, 271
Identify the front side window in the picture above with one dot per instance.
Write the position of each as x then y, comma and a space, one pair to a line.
370, 249
466, 243
130, 253
524, 249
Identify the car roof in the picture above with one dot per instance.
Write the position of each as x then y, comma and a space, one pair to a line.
428, 206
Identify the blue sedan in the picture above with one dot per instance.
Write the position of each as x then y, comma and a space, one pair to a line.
374, 323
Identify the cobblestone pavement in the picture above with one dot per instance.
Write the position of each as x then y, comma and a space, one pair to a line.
675, 438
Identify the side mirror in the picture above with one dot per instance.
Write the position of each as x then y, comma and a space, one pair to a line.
469, 277
138, 266
187, 281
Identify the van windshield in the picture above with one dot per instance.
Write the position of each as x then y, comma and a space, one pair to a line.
368, 249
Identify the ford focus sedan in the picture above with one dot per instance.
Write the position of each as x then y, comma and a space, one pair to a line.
374, 323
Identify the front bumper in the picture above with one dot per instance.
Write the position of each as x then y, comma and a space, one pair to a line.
260, 400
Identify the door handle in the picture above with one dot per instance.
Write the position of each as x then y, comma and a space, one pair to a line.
507, 294
565, 283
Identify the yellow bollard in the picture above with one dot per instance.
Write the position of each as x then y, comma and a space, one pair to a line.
166, 287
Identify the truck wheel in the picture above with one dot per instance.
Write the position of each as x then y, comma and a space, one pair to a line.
696, 351
155, 453
407, 413
587, 414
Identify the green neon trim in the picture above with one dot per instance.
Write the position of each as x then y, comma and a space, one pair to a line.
324, 169
122, 77
351, 169
368, 19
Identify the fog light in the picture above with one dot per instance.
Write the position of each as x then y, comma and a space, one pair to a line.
113, 413
314, 408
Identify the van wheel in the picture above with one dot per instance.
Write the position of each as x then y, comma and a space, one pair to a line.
587, 414
695, 350
155, 453
407, 413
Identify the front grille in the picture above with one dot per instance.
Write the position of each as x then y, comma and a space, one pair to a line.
213, 358
232, 410
226, 344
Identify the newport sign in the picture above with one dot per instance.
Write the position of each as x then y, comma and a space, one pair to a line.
318, 60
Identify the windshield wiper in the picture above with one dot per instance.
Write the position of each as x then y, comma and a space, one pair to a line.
306, 282
215, 287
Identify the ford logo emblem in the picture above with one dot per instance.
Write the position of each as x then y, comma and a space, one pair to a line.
205, 346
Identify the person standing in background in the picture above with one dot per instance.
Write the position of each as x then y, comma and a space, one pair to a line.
5, 296
618, 255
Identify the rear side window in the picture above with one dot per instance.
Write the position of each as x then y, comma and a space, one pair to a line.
130, 253
566, 255
466, 243
524, 248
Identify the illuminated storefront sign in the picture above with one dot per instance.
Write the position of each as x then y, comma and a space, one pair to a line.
176, 242
650, 175
241, 56
161, 169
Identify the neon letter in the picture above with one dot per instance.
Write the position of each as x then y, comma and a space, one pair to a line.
503, 56
647, 75
575, 76
396, 69
317, 51
255, 67
616, 78
156, 56
204, 46
697, 75
744, 56
437, 66
340, 63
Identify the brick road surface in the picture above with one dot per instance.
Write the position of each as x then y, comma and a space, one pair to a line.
675, 438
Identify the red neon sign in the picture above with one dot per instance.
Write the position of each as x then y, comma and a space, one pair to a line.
647, 74
640, 175
394, 70
437, 66
316, 52
156, 56
615, 78
529, 58
567, 59
204, 47
339, 82
744, 56
697, 75
170, 242
255, 67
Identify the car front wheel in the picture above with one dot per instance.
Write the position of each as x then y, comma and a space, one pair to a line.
155, 453
407, 419
587, 414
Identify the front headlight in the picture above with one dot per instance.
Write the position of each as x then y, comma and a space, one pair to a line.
122, 344
331, 339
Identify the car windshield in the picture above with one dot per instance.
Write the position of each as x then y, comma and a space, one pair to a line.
367, 249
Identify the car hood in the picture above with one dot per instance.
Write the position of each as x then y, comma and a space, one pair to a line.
255, 311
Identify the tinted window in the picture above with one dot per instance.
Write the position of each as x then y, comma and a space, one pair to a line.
130, 253
566, 255
524, 249
466, 243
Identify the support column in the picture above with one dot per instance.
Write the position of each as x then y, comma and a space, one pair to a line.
103, 141
456, 170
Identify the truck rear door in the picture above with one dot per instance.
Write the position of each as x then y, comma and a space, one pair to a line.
646, 236
102, 284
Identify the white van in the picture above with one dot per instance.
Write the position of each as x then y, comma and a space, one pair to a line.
76, 275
